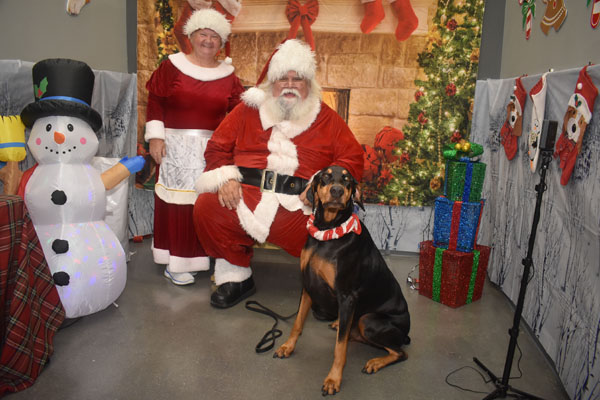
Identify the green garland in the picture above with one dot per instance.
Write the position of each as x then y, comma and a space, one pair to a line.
164, 38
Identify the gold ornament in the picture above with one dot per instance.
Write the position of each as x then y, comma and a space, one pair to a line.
435, 184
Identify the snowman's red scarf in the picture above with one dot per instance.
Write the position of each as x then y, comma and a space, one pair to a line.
352, 224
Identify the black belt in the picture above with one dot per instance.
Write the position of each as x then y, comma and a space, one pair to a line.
270, 181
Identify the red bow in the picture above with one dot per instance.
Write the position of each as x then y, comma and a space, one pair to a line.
302, 14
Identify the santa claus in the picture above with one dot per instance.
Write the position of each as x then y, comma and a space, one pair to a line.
258, 164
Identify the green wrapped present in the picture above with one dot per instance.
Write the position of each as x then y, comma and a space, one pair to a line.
464, 180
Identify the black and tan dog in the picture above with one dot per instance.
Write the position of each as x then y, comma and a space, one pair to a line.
347, 278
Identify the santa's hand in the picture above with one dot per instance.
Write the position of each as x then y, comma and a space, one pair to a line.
230, 194
158, 149
306, 197
134, 164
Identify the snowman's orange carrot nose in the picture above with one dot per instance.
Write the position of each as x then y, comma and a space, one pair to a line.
59, 137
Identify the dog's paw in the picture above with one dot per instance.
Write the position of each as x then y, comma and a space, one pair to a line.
331, 386
284, 351
375, 364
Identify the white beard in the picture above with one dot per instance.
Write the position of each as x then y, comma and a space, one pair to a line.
285, 109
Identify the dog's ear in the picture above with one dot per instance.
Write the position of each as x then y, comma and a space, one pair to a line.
311, 194
356, 194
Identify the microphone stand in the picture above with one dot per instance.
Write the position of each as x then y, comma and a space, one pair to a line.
503, 389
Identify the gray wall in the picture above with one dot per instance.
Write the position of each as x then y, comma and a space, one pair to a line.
492, 29
32, 30
574, 45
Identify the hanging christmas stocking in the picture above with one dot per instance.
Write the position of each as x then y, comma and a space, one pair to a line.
74, 6
538, 99
577, 117
407, 20
513, 125
595, 18
374, 14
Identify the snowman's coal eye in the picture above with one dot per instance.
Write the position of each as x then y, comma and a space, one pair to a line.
48, 127
70, 127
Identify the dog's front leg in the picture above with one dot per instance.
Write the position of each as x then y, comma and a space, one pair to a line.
333, 381
286, 349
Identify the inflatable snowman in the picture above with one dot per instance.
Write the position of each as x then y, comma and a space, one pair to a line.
65, 195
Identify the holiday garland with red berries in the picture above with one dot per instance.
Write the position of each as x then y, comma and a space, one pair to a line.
442, 106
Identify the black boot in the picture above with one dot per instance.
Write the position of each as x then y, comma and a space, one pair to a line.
230, 293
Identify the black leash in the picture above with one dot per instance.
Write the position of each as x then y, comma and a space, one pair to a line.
268, 340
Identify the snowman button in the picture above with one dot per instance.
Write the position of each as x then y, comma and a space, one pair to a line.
61, 278
59, 197
60, 246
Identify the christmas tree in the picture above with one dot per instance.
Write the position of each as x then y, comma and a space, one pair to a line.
442, 107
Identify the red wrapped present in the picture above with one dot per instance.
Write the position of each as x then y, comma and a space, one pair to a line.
450, 277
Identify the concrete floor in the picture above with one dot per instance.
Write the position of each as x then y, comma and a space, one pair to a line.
167, 342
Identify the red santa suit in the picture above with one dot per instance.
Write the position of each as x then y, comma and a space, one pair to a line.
185, 105
251, 137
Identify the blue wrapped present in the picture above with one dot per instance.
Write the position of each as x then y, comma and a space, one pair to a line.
456, 223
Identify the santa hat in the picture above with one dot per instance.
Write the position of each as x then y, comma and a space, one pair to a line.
208, 18
291, 55
584, 96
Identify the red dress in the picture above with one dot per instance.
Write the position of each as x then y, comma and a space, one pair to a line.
250, 137
185, 105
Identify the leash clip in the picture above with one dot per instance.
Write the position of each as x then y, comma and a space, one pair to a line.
270, 177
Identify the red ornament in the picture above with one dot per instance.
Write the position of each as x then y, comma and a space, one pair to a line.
452, 24
418, 95
455, 137
451, 89
422, 119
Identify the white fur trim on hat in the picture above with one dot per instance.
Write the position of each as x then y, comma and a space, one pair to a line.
208, 19
578, 102
292, 55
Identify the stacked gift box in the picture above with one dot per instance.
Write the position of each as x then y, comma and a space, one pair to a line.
452, 266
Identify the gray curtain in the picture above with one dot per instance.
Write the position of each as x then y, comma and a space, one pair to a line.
562, 303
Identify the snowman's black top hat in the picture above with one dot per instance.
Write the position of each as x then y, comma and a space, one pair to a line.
62, 87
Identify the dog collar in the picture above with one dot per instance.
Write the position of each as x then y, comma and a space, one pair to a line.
352, 224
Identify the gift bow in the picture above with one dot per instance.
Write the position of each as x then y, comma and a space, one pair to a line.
450, 152
302, 14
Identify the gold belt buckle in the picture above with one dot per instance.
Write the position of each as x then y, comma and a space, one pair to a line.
272, 181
